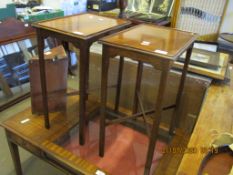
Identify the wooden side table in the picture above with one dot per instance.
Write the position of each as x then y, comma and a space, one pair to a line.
158, 46
80, 30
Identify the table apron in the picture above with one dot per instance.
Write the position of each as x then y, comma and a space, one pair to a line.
145, 58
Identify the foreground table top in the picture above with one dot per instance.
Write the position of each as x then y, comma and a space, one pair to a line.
27, 130
154, 40
216, 117
83, 25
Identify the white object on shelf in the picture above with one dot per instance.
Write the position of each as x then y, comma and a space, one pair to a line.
71, 7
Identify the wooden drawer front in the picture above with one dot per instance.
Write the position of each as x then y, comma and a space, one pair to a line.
24, 144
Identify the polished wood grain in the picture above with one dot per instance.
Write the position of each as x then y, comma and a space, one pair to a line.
216, 117
154, 40
33, 137
82, 25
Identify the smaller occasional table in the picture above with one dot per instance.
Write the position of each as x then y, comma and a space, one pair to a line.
80, 30
158, 46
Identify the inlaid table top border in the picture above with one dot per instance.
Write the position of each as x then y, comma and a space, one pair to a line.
40, 25
105, 41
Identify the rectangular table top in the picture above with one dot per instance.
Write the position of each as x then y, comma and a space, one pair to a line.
155, 40
82, 25
12, 30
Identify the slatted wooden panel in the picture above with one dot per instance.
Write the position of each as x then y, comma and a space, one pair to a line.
198, 16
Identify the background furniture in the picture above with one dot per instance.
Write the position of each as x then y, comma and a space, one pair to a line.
101, 5
56, 63
30, 18
87, 29
12, 30
153, 45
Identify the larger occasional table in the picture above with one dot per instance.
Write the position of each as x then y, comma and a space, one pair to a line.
80, 30
158, 46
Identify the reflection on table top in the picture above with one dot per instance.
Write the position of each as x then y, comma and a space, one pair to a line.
125, 148
81, 25
161, 41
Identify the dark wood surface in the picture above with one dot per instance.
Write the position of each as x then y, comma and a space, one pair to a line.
80, 30
155, 40
140, 43
12, 30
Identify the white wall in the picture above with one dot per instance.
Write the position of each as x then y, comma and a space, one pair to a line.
53, 3
227, 25
4, 2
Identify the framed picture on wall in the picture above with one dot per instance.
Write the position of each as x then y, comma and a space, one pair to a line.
162, 7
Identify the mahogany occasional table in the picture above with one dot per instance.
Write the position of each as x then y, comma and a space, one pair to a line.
80, 30
158, 46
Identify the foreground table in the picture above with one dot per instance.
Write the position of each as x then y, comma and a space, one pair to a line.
158, 46
216, 117
27, 131
80, 30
